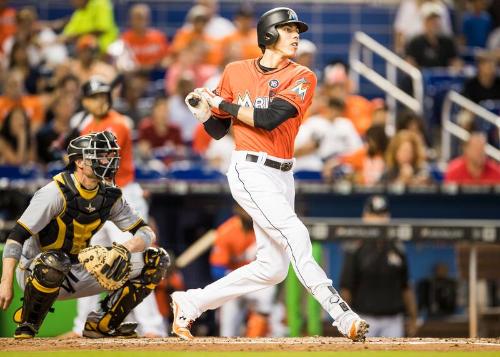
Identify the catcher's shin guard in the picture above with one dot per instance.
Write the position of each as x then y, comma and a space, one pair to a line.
42, 288
118, 304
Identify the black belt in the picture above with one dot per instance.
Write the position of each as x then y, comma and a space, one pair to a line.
283, 166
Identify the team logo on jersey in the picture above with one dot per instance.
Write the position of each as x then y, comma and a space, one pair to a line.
90, 208
274, 83
301, 87
246, 101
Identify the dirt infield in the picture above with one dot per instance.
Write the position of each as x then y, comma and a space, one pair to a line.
251, 345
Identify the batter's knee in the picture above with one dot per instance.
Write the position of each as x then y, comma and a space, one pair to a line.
51, 267
274, 272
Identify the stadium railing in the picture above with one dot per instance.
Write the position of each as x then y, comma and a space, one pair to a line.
450, 129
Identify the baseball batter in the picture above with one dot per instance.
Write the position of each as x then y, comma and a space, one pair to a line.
265, 99
58, 224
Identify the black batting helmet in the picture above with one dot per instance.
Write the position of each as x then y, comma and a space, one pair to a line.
101, 149
266, 27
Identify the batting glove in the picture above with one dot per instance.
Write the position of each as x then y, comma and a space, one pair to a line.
212, 99
198, 106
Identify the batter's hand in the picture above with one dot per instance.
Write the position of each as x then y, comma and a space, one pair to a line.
6, 295
202, 110
212, 99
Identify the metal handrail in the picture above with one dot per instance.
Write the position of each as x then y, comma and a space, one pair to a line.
449, 128
362, 43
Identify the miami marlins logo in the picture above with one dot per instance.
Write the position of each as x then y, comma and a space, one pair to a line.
90, 208
300, 88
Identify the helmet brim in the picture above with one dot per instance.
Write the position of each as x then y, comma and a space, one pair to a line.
302, 26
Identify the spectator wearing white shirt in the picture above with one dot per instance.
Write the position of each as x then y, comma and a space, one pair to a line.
217, 27
325, 136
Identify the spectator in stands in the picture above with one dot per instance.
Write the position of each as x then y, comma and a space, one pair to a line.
473, 167
39, 40
198, 16
18, 60
486, 84
494, 11
240, 44
433, 48
411, 121
16, 144
306, 54
190, 63
476, 24
217, 27
87, 64
50, 139
368, 163
156, 132
7, 22
148, 45
357, 108
179, 114
92, 17
14, 95
133, 101
409, 22
405, 160
375, 279
438, 294
325, 136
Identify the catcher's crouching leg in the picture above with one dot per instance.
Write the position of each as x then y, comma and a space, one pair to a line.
42, 288
118, 304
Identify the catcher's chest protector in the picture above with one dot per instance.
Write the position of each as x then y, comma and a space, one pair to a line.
83, 214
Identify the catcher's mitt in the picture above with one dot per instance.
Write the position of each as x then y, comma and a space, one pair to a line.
109, 266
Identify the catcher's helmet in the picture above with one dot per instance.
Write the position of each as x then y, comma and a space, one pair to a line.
95, 86
266, 27
101, 149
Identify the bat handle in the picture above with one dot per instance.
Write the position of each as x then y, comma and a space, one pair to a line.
194, 102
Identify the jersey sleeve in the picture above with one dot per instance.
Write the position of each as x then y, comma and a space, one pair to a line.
46, 204
300, 92
224, 90
124, 216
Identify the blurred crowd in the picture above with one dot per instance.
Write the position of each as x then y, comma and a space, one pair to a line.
43, 65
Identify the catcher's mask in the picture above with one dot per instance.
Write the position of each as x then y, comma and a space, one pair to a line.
100, 149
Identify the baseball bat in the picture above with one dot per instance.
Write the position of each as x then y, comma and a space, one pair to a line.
196, 249
193, 101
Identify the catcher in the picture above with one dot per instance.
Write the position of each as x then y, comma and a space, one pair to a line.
50, 242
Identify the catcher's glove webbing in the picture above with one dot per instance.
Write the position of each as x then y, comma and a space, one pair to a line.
109, 266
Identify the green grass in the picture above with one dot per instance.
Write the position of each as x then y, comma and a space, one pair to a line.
93, 353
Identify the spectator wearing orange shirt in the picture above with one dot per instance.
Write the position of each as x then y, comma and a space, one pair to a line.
87, 64
14, 96
235, 247
7, 22
148, 45
241, 43
473, 167
198, 17
357, 108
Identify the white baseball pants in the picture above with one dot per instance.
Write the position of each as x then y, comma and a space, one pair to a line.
267, 195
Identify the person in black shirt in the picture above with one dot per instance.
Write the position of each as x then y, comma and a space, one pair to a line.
486, 84
375, 279
432, 48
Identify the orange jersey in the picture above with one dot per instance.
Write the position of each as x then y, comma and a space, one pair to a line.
233, 246
244, 83
360, 111
148, 49
117, 124
184, 37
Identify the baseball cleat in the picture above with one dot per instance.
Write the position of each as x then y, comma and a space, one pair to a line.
358, 330
181, 324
